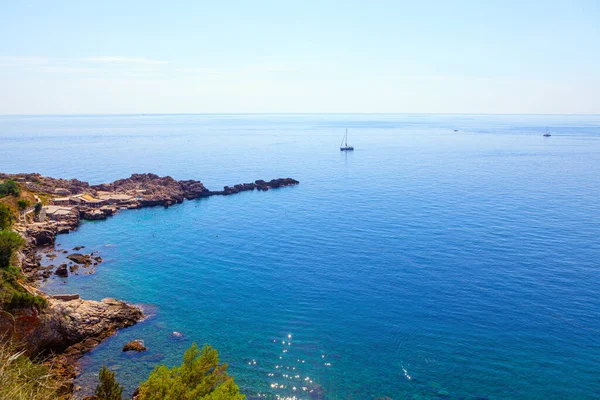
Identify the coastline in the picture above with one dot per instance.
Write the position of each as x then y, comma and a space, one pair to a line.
70, 326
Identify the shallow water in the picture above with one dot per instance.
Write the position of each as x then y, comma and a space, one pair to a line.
427, 263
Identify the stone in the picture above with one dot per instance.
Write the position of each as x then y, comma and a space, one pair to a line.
79, 258
62, 271
65, 297
135, 345
43, 236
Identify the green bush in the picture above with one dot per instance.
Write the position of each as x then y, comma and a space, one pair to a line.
10, 187
22, 204
9, 243
200, 376
38, 208
6, 217
26, 299
108, 388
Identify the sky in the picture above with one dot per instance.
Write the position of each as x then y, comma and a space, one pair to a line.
491, 57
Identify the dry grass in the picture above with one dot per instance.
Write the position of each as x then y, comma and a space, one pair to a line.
23, 379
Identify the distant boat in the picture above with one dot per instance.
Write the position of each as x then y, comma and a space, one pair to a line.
344, 145
547, 134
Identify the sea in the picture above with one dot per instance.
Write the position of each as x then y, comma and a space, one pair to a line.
446, 257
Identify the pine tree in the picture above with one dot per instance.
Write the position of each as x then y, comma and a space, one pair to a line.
200, 376
108, 388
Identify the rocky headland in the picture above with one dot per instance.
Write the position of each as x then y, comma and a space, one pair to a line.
70, 326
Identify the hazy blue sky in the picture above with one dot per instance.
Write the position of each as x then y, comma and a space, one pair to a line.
302, 56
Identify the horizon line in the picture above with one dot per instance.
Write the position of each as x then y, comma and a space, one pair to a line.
281, 113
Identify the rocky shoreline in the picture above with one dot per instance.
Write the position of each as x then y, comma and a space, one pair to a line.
70, 326
71, 201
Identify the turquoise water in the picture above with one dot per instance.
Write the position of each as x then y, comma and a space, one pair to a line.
426, 264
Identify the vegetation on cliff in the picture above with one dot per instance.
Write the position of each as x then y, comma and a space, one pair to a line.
23, 379
6, 216
12, 293
9, 187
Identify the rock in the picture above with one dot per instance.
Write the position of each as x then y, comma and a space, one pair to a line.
258, 184
62, 271
77, 248
136, 394
92, 215
43, 236
73, 268
135, 345
98, 259
79, 258
73, 327
65, 297
176, 335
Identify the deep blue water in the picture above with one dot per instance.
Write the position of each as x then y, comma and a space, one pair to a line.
468, 261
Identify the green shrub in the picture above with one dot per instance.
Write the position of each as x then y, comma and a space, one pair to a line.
10, 187
12, 294
108, 388
26, 299
22, 204
200, 376
6, 216
38, 208
9, 243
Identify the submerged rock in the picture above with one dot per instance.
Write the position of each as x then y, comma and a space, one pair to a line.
135, 345
62, 271
79, 258
176, 335
316, 392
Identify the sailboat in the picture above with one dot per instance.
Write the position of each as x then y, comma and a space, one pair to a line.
344, 145
547, 134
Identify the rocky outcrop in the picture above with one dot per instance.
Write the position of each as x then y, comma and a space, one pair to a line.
92, 214
152, 189
43, 184
193, 189
43, 236
69, 327
135, 345
258, 185
70, 323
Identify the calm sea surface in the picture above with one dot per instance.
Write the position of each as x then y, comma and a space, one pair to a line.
426, 264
